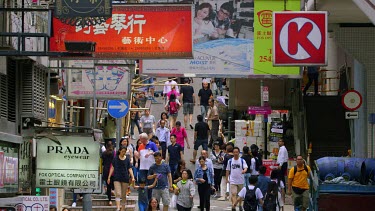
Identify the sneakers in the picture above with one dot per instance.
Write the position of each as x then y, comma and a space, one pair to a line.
241, 209
221, 198
133, 137
74, 204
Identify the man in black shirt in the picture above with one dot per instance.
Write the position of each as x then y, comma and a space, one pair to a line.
188, 99
201, 133
204, 95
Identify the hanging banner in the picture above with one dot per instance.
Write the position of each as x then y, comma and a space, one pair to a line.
223, 43
111, 82
263, 37
133, 31
70, 162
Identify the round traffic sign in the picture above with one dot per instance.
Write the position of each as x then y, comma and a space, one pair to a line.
351, 100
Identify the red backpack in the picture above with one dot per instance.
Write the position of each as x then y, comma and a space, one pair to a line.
173, 107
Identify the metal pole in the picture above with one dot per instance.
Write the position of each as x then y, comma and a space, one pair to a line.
264, 121
118, 133
48, 93
94, 96
87, 202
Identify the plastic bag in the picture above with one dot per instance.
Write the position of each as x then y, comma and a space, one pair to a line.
173, 203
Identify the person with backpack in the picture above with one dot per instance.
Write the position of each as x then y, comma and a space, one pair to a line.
247, 157
225, 187
256, 161
181, 136
281, 188
271, 202
263, 181
172, 107
251, 195
236, 169
297, 182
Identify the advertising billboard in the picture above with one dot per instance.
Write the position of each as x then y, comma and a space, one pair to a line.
133, 31
111, 82
223, 43
72, 162
263, 43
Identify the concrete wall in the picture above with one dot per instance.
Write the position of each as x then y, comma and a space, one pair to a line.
359, 42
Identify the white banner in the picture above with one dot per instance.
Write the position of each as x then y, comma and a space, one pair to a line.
72, 164
111, 82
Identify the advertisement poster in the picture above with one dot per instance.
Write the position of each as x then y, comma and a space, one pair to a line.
111, 82
263, 37
133, 31
40, 203
70, 162
223, 42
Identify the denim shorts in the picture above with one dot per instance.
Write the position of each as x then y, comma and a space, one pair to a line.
199, 142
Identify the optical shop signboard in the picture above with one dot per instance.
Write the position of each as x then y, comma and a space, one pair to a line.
70, 162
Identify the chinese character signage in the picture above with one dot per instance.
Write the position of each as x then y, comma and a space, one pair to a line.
263, 37
111, 82
222, 42
134, 31
82, 8
72, 164
40, 203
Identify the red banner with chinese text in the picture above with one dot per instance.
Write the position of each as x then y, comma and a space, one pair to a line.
134, 32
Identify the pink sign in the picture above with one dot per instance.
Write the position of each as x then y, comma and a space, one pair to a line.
259, 110
1, 169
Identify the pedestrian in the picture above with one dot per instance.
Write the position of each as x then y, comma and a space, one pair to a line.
151, 89
143, 193
174, 91
134, 119
153, 205
181, 136
217, 157
164, 116
148, 123
146, 156
236, 169
281, 189
204, 95
201, 132
228, 155
247, 157
130, 149
155, 139
168, 86
174, 154
137, 161
204, 177
263, 180
65, 209
185, 192
177, 176
219, 85
163, 135
172, 106
188, 100
164, 185
313, 74
213, 121
109, 132
282, 159
52, 208
297, 182
107, 159
123, 173
251, 195
256, 161
208, 161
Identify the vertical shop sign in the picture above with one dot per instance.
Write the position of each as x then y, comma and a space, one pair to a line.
263, 36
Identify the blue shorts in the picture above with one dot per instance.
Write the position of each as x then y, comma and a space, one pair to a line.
199, 142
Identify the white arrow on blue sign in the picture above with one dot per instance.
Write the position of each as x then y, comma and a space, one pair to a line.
118, 108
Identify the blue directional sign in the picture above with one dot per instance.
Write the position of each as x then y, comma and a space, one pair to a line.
118, 108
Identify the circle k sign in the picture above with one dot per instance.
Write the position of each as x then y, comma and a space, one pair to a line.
299, 38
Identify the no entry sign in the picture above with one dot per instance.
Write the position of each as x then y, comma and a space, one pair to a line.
299, 38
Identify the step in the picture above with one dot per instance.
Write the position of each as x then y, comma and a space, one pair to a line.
130, 207
103, 201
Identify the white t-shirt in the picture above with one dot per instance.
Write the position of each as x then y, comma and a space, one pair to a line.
235, 167
258, 192
252, 167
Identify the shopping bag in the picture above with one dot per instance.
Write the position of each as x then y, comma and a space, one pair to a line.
173, 203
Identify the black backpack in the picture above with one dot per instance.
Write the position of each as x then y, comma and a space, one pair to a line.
250, 201
271, 198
